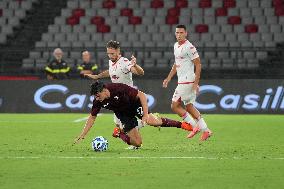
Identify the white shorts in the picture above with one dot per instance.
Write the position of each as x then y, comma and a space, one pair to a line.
118, 122
185, 94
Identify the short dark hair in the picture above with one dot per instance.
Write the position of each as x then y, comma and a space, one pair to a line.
113, 44
97, 87
181, 26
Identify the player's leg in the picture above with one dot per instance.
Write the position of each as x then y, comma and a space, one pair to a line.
166, 122
135, 137
128, 131
181, 94
119, 133
116, 130
202, 126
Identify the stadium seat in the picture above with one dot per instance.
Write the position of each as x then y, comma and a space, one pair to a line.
126, 12
79, 12
279, 11
205, 3
173, 12
109, 4
181, 3
229, 3
103, 28
72, 21
135, 20
171, 20
157, 4
201, 28
251, 28
234, 20
98, 20
221, 12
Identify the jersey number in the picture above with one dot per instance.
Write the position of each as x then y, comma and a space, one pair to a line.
140, 111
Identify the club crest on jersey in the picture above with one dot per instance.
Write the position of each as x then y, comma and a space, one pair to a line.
116, 97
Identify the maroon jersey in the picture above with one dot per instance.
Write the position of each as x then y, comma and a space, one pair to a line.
123, 100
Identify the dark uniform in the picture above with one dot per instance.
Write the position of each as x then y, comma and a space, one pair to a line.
88, 66
123, 102
58, 70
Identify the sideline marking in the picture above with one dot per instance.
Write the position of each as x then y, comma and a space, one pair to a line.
139, 157
83, 119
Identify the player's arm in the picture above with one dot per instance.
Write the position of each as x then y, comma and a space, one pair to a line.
197, 64
136, 69
170, 76
89, 123
99, 76
143, 100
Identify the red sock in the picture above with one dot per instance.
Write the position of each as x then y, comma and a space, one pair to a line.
124, 137
170, 123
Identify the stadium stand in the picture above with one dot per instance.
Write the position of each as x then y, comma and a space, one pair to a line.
230, 34
11, 12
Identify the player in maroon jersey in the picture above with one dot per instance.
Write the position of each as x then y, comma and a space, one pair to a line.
127, 103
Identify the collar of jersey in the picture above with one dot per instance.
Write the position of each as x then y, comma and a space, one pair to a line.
113, 63
182, 43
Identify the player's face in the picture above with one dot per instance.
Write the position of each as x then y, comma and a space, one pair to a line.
101, 96
86, 57
113, 54
58, 55
181, 34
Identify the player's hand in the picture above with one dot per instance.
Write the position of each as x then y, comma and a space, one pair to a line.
145, 119
133, 60
195, 88
91, 76
165, 83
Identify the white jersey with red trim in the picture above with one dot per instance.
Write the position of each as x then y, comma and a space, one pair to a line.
119, 71
184, 54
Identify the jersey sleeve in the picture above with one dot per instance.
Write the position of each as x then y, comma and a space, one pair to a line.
96, 108
193, 54
132, 92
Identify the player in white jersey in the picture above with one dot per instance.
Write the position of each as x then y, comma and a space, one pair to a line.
186, 58
120, 71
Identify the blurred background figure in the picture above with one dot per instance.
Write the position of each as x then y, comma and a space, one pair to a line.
57, 68
87, 67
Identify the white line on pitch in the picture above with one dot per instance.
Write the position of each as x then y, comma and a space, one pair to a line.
83, 119
140, 157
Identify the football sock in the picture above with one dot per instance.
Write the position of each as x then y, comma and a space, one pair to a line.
202, 124
170, 123
124, 137
187, 118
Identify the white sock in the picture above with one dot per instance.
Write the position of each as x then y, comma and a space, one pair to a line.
188, 119
202, 125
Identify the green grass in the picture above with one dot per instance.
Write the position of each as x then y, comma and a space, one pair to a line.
246, 151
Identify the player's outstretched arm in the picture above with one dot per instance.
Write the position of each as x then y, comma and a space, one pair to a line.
136, 69
170, 76
89, 123
99, 76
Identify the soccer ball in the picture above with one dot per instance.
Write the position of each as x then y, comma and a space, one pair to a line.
99, 144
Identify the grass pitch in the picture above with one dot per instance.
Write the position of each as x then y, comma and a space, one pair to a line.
246, 151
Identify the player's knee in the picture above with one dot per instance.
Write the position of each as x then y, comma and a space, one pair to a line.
137, 143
